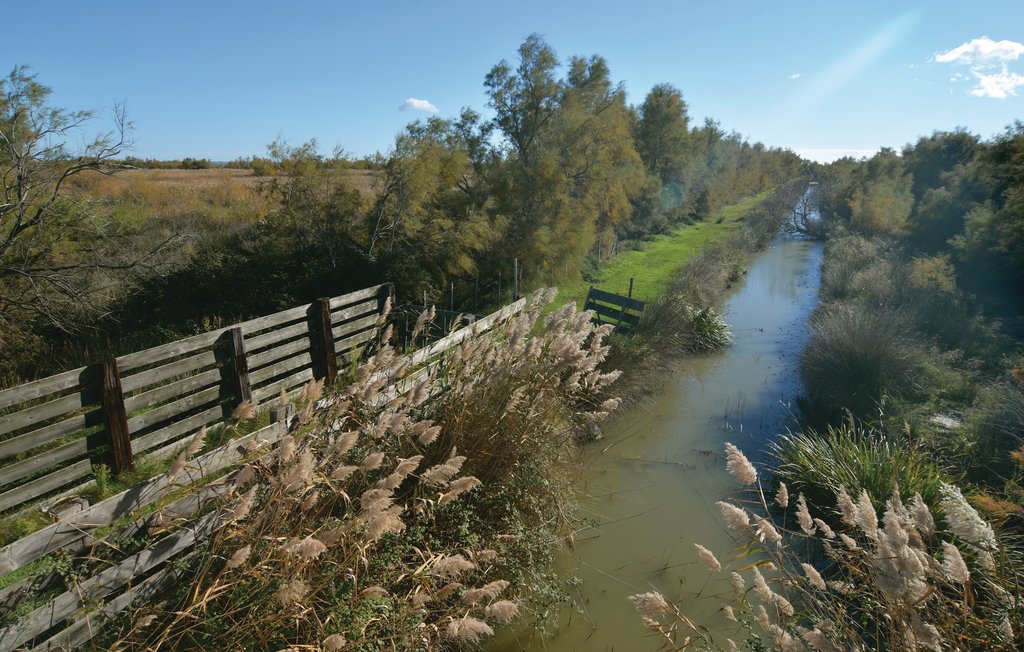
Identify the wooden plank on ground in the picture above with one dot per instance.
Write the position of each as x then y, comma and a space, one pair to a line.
88, 627
102, 584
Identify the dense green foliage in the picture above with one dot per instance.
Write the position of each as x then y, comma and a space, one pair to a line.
920, 291
564, 173
950, 194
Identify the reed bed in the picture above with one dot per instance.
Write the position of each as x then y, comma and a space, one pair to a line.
907, 576
402, 514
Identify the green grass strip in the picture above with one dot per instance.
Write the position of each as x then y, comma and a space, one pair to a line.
658, 261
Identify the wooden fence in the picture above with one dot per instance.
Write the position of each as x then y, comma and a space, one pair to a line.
55, 431
623, 312
72, 611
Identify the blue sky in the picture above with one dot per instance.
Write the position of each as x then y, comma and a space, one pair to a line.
222, 79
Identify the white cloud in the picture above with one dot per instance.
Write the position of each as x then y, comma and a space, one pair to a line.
795, 75
989, 62
999, 85
982, 51
414, 104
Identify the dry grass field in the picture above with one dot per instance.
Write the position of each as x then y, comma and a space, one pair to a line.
212, 195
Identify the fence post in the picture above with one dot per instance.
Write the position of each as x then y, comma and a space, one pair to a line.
115, 418
322, 316
239, 365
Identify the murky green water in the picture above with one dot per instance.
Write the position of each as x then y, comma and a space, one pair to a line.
651, 484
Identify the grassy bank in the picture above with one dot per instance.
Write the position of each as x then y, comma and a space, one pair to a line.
682, 276
659, 260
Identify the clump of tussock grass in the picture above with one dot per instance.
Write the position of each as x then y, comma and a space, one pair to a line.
402, 514
996, 427
856, 356
903, 576
818, 464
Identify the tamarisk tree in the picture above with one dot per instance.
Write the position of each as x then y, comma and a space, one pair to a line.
59, 259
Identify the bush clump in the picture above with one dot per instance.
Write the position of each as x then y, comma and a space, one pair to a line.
890, 573
856, 356
818, 464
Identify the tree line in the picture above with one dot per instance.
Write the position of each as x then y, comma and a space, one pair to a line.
563, 173
951, 197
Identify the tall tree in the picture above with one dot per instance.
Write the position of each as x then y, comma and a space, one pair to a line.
661, 133
429, 223
571, 167
59, 259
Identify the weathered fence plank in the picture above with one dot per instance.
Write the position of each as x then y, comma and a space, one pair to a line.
178, 429
49, 482
621, 312
271, 390
40, 388
617, 299
358, 310
278, 352
54, 431
81, 611
288, 364
39, 413
175, 379
178, 388
71, 533
358, 295
169, 410
239, 366
324, 337
84, 629
153, 376
102, 584
37, 463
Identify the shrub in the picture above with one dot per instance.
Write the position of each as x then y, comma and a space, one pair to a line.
819, 464
857, 355
997, 424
